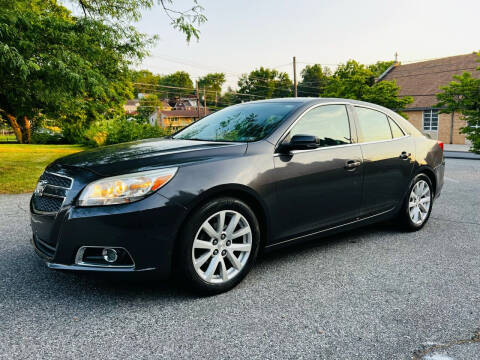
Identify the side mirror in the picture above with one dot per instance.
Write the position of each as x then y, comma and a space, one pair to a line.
302, 142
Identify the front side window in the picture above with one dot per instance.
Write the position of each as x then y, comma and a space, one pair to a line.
430, 120
328, 122
243, 122
373, 125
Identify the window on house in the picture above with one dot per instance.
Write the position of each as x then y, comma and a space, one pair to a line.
430, 120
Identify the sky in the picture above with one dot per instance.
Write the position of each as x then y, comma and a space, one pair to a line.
242, 35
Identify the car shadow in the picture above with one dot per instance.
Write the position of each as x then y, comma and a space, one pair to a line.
26, 279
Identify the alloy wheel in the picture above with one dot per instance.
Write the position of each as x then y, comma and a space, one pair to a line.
419, 202
222, 246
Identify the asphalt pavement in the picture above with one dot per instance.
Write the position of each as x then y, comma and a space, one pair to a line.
372, 293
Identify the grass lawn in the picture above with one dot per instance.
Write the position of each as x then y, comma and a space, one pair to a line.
21, 165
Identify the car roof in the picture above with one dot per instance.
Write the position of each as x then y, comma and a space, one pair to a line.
318, 100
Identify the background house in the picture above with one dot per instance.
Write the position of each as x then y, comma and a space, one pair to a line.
422, 81
131, 106
178, 119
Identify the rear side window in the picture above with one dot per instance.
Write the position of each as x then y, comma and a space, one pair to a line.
329, 123
373, 125
396, 131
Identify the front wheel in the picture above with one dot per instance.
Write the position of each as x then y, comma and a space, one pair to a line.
219, 245
418, 203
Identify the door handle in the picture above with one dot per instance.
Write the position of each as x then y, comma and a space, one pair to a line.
352, 164
404, 155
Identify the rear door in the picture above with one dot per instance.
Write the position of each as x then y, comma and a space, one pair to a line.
387, 153
316, 188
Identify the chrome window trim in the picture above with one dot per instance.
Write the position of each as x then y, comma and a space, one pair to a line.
396, 123
81, 251
284, 135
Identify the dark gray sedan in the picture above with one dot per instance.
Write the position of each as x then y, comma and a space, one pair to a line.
202, 203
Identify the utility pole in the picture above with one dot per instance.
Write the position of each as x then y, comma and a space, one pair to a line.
295, 90
216, 100
204, 103
198, 99
396, 57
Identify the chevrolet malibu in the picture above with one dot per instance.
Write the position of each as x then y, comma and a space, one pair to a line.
202, 203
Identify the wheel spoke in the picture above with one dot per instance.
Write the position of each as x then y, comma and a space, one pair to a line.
212, 267
232, 224
415, 212
425, 189
241, 247
202, 260
234, 260
221, 221
201, 244
411, 204
223, 270
209, 230
241, 232
422, 208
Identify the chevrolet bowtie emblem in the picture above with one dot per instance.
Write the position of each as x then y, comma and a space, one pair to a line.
42, 184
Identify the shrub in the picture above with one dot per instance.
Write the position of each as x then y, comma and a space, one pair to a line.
108, 132
47, 136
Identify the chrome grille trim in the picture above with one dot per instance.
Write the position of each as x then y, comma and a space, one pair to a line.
46, 194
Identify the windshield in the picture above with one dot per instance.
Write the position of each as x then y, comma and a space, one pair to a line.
243, 122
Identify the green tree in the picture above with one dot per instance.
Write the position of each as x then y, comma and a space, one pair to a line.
144, 82
314, 80
379, 67
177, 84
212, 83
71, 68
356, 81
186, 21
147, 106
265, 83
463, 95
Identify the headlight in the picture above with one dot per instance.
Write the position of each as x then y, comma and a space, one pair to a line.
125, 188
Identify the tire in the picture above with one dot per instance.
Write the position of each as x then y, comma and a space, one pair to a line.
230, 251
410, 218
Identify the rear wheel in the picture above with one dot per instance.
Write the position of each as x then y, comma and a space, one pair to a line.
418, 203
219, 245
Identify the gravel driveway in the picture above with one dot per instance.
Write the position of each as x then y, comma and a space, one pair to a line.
373, 293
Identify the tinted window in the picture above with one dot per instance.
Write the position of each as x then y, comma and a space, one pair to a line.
396, 131
329, 123
243, 122
373, 125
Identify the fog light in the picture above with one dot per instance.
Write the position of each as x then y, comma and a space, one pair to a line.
110, 255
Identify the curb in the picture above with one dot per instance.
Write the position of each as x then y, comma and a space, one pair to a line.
461, 155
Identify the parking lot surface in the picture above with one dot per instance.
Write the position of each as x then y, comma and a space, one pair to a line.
371, 293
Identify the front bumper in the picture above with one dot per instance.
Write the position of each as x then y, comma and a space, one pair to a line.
146, 229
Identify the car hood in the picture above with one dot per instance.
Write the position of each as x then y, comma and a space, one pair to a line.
147, 155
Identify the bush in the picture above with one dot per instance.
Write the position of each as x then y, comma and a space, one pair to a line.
47, 136
116, 131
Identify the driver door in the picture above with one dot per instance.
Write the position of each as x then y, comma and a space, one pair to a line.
318, 188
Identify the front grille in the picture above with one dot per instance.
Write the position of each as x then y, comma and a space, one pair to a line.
47, 203
45, 248
51, 192
56, 180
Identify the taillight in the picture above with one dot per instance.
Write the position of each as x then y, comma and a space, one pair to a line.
440, 143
